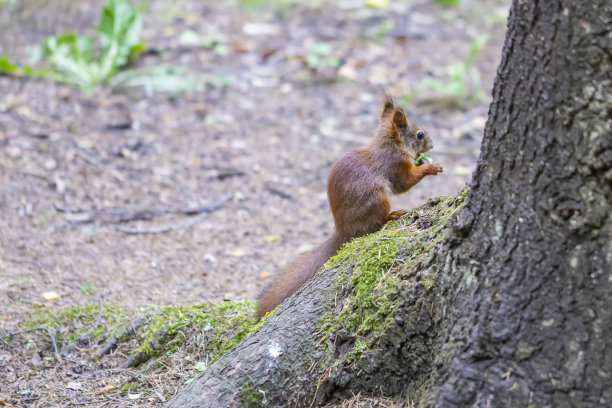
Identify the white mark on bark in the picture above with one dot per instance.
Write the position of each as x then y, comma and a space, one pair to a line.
499, 230
574, 262
275, 350
548, 322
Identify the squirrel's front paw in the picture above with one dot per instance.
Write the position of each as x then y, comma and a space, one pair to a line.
434, 169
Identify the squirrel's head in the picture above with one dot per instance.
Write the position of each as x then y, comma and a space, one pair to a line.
399, 129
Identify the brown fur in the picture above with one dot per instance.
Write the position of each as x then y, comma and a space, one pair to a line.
359, 189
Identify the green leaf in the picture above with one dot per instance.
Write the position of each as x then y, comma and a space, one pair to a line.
7, 66
189, 38
321, 49
60, 52
166, 78
423, 157
119, 29
377, 3
313, 60
200, 366
449, 2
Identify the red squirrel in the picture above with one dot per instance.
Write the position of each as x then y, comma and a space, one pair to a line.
359, 188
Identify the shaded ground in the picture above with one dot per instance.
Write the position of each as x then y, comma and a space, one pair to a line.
268, 140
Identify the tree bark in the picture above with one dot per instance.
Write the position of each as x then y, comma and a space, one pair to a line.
519, 314
530, 278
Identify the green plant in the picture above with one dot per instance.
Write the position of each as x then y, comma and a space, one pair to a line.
381, 32
452, 3
423, 157
88, 288
318, 55
78, 60
7, 66
463, 83
167, 78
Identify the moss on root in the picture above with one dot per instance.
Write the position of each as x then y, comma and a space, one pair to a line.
251, 397
378, 266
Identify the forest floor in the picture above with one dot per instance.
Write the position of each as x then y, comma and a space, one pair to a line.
260, 146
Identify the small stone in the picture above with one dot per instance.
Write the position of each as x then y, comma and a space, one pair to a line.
254, 29
13, 151
50, 164
74, 386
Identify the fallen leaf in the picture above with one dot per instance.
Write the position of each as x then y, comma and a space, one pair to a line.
271, 238
106, 389
197, 162
377, 3
264, 275
237, 253
51, 295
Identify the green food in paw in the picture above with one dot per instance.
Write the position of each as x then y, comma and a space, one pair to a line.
423, 157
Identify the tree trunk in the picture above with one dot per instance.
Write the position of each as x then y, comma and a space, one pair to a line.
512, 307
529, 287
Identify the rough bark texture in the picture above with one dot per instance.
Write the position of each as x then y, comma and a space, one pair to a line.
527, 281
519, 314
277, 357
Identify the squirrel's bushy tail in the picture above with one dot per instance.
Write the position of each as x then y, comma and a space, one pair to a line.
298, 273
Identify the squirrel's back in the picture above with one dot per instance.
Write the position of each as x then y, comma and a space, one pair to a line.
358, 194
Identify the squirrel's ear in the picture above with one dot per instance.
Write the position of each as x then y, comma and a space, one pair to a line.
387, 108
399, 119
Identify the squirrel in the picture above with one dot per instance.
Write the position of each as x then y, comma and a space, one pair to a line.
359, 189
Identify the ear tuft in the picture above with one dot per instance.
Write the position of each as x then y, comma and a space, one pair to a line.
388, 104
388, 108
399, 119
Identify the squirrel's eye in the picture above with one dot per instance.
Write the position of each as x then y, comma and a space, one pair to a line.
420, 135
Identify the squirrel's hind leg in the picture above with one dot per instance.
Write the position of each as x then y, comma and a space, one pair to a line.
396, 214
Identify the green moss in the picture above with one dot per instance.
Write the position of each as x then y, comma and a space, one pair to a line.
251, 398
428, 283
381, 266
359, 348
221, 326
128, 386
76, 321
368, 307
224, 325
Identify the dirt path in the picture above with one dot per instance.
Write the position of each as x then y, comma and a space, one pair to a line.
268, 140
